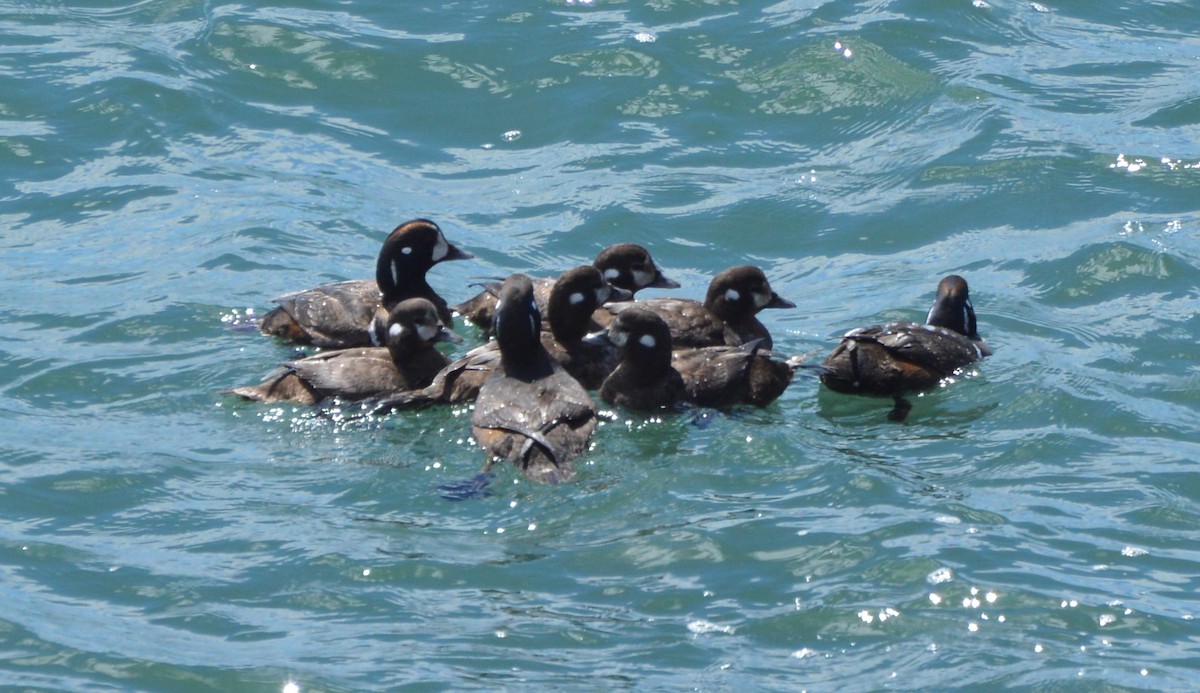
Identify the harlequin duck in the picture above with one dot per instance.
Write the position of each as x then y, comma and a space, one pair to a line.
644, 379
897, 358
338, 315
576, 295
626, 266
573, 300
653, 375
408, 361
727, 316
530, 411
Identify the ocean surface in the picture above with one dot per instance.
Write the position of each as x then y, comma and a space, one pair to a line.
167, 167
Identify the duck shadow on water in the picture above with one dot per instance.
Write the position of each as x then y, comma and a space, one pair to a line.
941, 408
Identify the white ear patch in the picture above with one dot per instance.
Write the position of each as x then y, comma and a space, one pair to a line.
647, 341
441, 249
611, 273
406, 250
732, 295
576, 298
396, 330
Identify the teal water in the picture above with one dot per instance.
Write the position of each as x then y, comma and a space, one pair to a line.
167, 165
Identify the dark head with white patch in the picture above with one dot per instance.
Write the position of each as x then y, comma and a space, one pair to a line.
741, 292
576, 294
413, 324
952, 308
629, 266
409, 251
643, 338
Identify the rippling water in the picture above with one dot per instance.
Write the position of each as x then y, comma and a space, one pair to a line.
167, 166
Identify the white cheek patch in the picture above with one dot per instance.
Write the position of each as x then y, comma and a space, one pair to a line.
647, 341
602, 294
428, 332
761, 300
396, 331
732, 295
642, 277
611, 274
440, 249
406, 250
576, 298
618, 338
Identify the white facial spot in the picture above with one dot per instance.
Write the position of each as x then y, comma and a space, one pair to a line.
732, 295
576, 298
602, 294
611, 274
618, 338
428, 331
762, 299
406, 250
396, 330
642, 277
647, 341
440, 249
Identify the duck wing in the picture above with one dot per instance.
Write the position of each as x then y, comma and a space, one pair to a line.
330, 316
540, 425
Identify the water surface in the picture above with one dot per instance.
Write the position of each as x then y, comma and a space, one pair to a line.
166, 167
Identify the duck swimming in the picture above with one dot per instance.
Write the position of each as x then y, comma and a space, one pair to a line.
898, 358
408, 361
652, 375
339, 315
727, 315
530, 411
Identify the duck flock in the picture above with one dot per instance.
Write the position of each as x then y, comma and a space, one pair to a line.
555, 340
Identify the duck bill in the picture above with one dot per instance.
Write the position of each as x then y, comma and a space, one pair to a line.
616, 294
778, 302
453, 252
447, 335
600, 337
661, 281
